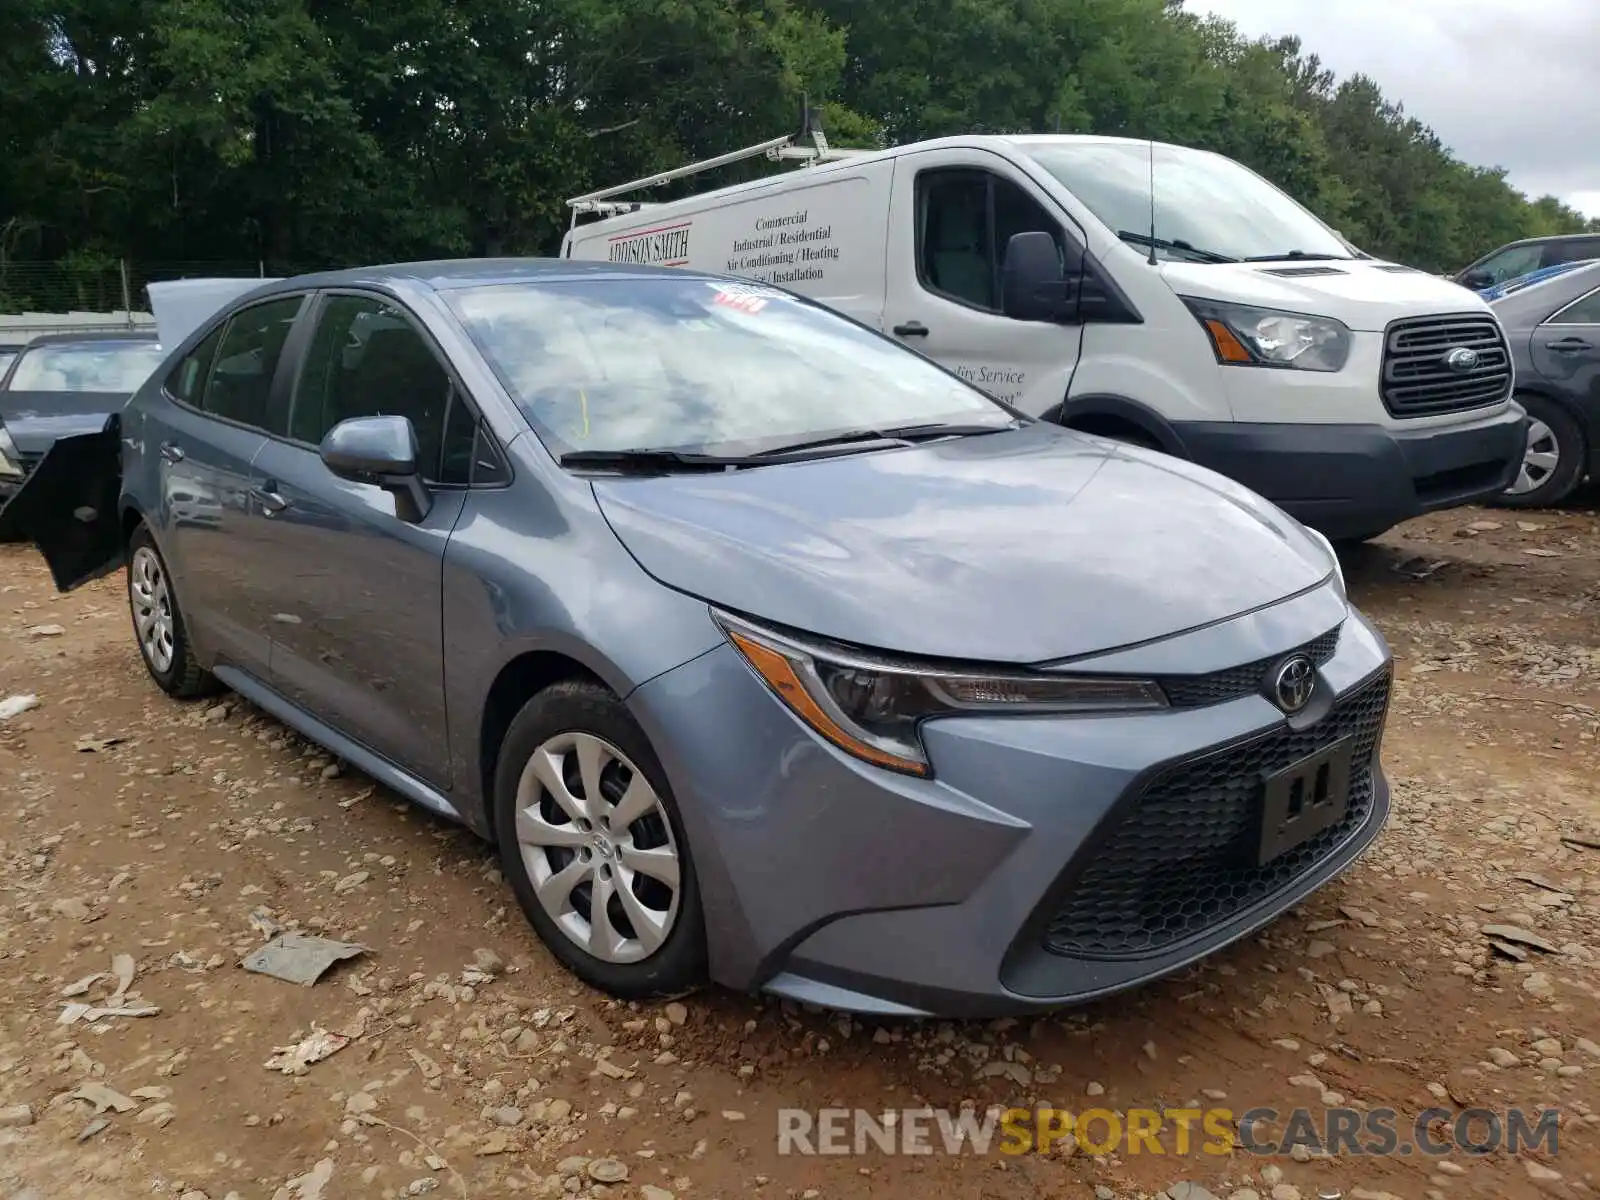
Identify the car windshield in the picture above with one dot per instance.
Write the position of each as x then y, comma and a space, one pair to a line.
1203, 200
686, 363
115, 367
6, 358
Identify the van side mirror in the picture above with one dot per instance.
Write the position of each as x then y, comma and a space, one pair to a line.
1476, 280
380, 451
1033, 282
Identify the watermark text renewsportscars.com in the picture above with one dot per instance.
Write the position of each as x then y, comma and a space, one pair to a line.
1433, 1132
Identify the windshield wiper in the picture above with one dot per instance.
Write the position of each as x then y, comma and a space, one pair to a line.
654, 461
890, 433
1297, 255
1144, 239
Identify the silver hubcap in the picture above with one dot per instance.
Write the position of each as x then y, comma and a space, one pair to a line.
598, 847
1539, 460
152, 608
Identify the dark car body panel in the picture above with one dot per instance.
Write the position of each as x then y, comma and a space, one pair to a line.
1560, 361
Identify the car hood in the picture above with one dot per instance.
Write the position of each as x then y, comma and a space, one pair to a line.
35, 420
1365, 295
1019, 547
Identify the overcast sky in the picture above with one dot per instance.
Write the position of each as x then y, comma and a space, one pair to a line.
1510, 83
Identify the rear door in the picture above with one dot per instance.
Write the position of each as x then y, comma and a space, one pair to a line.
1566, 351
352, 593
216, 410
952, 214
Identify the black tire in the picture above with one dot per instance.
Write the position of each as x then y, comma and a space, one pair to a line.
181, 676
1557, 430
678, 964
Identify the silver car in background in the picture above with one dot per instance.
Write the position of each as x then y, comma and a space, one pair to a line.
765, 649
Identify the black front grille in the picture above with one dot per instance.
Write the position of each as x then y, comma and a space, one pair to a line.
1182, 857
1419, 382
1197, 691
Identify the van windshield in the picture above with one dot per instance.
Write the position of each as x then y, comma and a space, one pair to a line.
689, 363
1207, 206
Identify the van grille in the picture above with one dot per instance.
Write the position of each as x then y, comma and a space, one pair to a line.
1419, 382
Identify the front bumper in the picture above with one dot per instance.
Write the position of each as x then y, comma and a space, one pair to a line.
979, 892
1355, 481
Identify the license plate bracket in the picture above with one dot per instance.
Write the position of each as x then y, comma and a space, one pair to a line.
1304, 798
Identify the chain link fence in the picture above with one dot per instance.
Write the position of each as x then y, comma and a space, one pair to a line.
82, 294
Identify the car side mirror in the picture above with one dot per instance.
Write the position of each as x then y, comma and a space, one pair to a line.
1477, 280
380, 451
1033, 282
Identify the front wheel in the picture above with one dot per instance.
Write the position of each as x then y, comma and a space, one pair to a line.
1552, 460
593, 846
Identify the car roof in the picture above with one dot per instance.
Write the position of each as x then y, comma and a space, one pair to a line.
88, 337
449, 274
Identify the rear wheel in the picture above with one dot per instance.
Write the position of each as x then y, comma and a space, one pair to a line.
158, 622
1552, 460
591, 841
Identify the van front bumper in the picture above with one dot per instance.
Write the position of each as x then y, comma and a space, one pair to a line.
1356, 481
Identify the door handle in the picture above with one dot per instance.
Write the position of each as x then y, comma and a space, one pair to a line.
911, 329
172, 452
271, 500
1567, 345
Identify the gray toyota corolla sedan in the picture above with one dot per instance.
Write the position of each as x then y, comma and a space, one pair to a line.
764, 649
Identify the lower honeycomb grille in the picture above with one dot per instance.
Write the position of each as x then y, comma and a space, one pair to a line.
1181, 860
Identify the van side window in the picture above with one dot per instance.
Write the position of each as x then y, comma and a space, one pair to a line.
965, 220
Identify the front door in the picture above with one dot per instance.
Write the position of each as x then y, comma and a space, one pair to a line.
351, 593
952, 214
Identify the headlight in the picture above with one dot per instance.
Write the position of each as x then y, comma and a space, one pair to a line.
10, 460
872, 707
1333, 556
1264, 337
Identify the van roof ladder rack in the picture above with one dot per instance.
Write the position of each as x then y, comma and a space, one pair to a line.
779, 149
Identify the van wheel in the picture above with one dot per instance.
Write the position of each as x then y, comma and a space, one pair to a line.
158, 622
1552, 461
592, 843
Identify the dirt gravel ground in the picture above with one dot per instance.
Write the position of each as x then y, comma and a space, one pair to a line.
180, 836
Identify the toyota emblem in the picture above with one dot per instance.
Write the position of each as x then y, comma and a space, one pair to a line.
1462, 359
1293, 682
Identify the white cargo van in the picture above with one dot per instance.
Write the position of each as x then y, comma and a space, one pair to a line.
1146, 292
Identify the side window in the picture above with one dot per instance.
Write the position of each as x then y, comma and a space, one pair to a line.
1581, 250
965, 221
1509, 264
469, 456
240, 387
1585, 311
366, 360
186, 382
954, 238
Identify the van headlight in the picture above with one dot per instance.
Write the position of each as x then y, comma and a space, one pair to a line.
872, 707
10, 460
1243, 336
